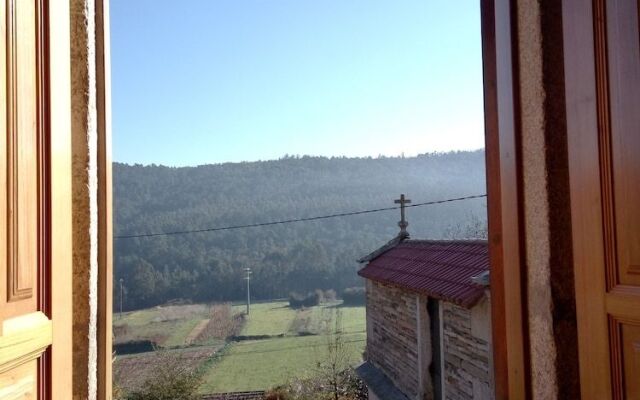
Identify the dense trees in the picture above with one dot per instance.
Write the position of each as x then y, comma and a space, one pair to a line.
298, 257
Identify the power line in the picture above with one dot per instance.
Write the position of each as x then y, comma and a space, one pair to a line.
288, 221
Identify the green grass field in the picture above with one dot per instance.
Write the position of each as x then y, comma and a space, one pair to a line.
262, 364
267, 318
299, 340
167, 326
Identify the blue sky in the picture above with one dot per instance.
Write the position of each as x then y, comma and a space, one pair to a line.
208, 81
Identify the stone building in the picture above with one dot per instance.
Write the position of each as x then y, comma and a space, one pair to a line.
428, 320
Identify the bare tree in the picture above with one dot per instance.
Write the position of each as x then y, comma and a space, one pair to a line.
330, 369
333, 377
474, 228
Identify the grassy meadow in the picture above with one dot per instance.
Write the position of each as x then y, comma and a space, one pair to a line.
272, 318
260, 364
294, 342
167, 326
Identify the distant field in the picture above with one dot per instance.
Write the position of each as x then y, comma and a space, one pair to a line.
255, 365
167, 326
298, 341
267, 318
131, 371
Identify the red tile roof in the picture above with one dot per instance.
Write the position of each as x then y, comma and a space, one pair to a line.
440, 269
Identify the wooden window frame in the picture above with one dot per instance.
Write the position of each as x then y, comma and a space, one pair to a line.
504, 193
505, 199
105, 206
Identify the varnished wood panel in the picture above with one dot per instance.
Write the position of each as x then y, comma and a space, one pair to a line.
623, 50
604, 140
23, 149
602, 61
631, 355
105, 227
625, 358
19, 283
19, 383
583, 123
3, 159
35, 347
58, 62
24, 339
44, 222
504, 178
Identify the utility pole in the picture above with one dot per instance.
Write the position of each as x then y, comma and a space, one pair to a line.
248, 278
121, 295
403, 222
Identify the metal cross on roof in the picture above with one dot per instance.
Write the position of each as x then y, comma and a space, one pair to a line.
403, 222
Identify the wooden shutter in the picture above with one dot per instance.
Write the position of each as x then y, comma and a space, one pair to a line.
602, 64
35, 212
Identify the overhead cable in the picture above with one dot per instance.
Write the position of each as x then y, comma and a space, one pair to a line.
289, 221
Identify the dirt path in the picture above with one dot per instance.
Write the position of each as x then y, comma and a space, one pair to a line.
196, 331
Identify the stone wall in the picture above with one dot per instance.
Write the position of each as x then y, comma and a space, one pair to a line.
552, 323
467, 352
85, 191
392, 338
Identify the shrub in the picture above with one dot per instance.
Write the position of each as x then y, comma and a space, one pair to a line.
333, 378
120, 331
320, 295
301, 324
297, 300
278, 394
134, 346
330, 295
354, 296
117, 393
170, 380
316, 387
312, 299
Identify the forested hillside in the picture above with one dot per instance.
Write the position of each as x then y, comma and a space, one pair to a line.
294, 257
